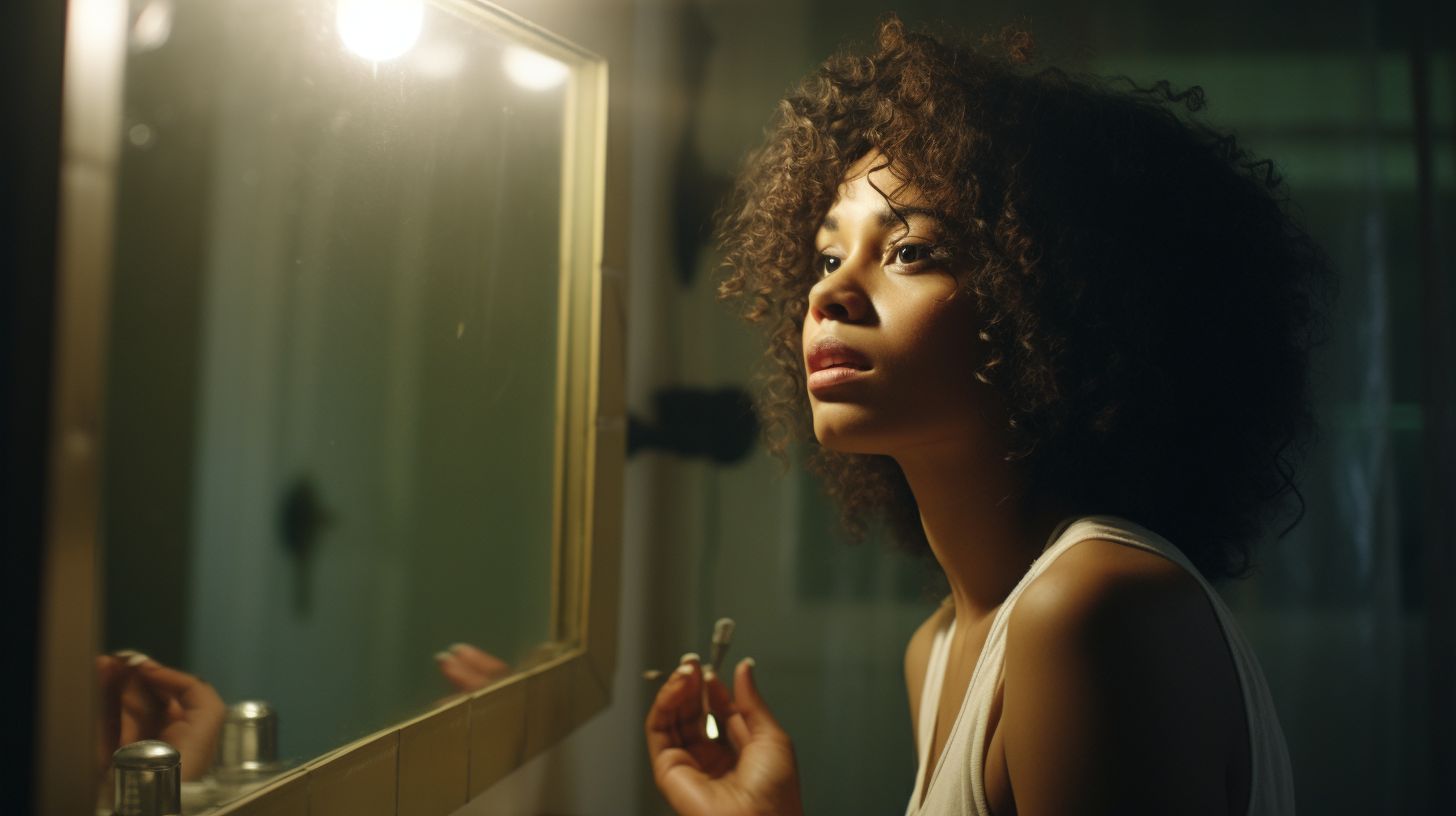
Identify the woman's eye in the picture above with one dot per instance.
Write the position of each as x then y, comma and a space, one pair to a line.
827, 265
910, 253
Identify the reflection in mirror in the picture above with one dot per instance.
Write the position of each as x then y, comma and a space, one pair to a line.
336, 364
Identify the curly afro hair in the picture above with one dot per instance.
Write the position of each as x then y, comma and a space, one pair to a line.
1149, 300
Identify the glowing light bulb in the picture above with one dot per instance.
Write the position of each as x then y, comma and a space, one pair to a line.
533, 70
152, 27
380, 30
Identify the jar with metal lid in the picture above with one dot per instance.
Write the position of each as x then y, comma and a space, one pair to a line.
248, 746
148, 779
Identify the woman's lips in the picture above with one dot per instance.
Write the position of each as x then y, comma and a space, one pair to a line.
826, 379
832, 362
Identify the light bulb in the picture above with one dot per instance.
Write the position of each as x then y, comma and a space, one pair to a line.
380, 30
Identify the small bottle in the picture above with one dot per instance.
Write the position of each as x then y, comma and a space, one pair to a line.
248, 747
148, 779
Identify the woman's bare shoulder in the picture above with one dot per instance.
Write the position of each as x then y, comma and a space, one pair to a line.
1101, 591
1114, 657
1102, 576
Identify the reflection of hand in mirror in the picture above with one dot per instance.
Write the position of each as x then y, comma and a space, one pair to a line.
142, 699
470, 669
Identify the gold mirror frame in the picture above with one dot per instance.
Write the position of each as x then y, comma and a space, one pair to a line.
436, 762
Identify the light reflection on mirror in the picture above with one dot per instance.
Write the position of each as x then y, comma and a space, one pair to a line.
333, 440
380, 30
532, 69
152, 26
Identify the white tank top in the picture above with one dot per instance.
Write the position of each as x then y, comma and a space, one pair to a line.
957, 784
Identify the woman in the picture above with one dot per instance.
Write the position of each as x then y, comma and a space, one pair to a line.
1033, 320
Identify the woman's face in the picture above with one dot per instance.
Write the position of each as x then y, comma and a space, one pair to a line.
890, 344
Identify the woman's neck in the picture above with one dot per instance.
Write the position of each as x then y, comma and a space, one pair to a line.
982, 527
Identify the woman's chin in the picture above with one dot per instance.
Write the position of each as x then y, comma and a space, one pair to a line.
841, 439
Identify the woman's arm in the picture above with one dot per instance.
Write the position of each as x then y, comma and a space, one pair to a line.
1120, 695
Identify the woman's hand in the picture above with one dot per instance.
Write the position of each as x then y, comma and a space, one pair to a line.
468, 668
142, 699
749, 770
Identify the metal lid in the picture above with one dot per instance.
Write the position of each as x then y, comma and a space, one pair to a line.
148, 779
249, 739
147, 755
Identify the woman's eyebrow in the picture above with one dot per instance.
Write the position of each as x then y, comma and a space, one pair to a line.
898, 215
888, 217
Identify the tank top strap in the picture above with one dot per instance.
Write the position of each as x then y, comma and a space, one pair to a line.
1122, 531
930, 705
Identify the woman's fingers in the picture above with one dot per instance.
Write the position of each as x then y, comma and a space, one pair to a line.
746, 699
675, 717
198, 700
459, 674
161, 678
482, 662
110, 677
191, 714
469, 669
720, 704
109, 672
692, 714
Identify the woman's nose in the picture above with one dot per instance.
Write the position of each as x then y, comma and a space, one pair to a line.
839, 298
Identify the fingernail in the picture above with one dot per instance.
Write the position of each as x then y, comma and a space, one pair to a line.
455, 647
443, 656
690, 656
708, 673
686, 669
125, 653
136, 659
749, 662
651, 674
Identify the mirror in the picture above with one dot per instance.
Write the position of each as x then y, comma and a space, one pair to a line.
349, 342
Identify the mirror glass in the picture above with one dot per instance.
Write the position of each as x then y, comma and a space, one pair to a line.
348, 244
